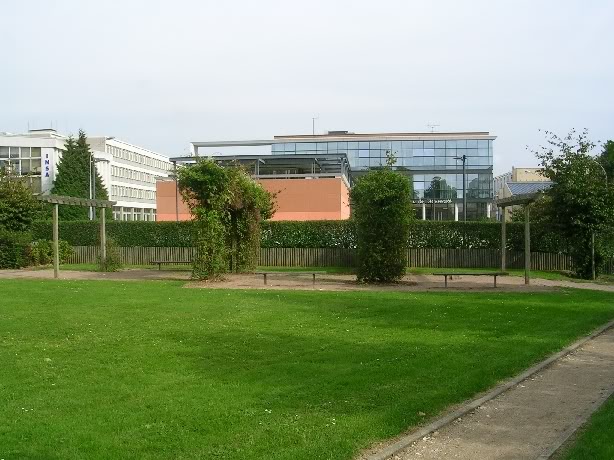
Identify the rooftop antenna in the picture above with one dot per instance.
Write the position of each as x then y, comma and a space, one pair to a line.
432, 126
313, 125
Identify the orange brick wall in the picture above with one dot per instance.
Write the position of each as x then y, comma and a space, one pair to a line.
297, 199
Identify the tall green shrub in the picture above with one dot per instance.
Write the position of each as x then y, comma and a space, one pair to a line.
14, 249
73, 178
382, 210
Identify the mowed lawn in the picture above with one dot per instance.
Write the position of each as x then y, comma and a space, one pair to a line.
595, 441
102, 369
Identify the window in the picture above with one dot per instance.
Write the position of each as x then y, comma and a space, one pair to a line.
4, 152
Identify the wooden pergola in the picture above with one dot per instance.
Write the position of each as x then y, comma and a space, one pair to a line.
57, 200
525, 199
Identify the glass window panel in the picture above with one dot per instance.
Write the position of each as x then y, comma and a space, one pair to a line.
277, 148
482, 152
375, 153
440, 161
483, 143
289, 147
440, 144
418, 161
472, 144
25, 166
36, 152
461, 144
471, 152
429, 161
406, 144
429, 152
363, 145
342, 145
363, 153
25, 152
418, 152
451, 144
377, 162
4, 152
322, 146
429, 144
14, 152
363, 162
417, 144
450, 152
374, 145
352, 145
385, 145
440, 152
396, 145
450, 161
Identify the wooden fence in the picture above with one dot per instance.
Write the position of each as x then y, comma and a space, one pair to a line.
338, 257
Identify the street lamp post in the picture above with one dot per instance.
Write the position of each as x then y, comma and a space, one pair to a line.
463, 158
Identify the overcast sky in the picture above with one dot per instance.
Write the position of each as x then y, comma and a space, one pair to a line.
163, 73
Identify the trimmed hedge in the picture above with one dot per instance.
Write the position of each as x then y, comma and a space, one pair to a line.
14, 249
311, 234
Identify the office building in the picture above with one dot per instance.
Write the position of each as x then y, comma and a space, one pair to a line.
433, 160
519, 181
128, 172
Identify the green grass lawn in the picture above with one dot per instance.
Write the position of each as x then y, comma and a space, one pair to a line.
596, 440
102, 369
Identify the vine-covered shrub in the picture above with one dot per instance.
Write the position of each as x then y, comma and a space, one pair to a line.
228, 206
14, 249
41, 252
382, 211
113, 259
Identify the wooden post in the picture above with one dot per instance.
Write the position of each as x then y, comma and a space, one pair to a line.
503, 239
56, 237
593, 254
527, 244
103, 236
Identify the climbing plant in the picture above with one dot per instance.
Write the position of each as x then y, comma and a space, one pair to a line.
227, 206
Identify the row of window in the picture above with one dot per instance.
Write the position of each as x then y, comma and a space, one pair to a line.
378, 145
20, 152
127, 173
445, 162
131, 192
120, 213
25, 166
138, 158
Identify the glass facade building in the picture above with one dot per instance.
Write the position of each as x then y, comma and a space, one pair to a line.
433, 160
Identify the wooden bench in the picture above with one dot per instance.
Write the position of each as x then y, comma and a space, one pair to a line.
169, 262
312, 273
450, 274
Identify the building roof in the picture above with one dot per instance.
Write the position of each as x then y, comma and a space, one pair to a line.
333, 136
523, 188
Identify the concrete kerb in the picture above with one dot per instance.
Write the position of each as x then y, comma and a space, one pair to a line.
409, 439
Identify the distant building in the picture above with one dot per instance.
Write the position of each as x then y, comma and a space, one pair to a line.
307, 187
519, 181
128, 172
433, 160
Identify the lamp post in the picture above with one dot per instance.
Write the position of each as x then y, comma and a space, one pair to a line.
93, 162
605, 175
463, 158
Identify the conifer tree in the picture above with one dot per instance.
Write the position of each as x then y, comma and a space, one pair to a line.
73, 177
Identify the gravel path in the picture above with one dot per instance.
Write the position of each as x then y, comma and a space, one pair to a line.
532, 419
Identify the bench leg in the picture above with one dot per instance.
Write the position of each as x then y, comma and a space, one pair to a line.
495, 276
264, 278
159, 267
446, 280
314, 279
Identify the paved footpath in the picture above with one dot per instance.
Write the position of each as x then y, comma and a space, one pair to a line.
533, 418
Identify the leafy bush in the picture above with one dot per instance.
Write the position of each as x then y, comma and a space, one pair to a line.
113, 260
382, 211
14, 249
41, 252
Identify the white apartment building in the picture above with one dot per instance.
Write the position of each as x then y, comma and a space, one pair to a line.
128, 172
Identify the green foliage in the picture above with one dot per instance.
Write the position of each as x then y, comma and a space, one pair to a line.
41, 252
18, 206
606, 158
310, 234
382, 210
228, 207
113, 260
14, 249
580, 202
134, 233
73, 178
